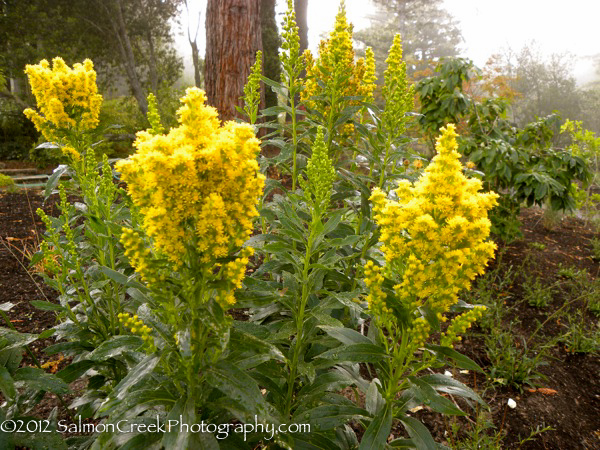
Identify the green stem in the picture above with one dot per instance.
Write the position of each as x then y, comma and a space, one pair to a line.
384, 165
299, 325
294, 144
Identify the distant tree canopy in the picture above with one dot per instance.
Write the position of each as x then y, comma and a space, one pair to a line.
128, 37
544, 84
428, 32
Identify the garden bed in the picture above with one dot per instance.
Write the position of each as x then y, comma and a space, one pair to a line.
569, 401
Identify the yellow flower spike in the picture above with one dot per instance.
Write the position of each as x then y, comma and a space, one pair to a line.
460, 324
398, 95
434, 236
199, 174
67, 99
335, 69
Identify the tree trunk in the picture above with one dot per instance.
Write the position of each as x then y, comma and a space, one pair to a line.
233, 37
194, 44
153, 72
118, 24
301, 10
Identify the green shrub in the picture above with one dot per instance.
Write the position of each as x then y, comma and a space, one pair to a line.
6, 181
17, 134
519, 164
536, 294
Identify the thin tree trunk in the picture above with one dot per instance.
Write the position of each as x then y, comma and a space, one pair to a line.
118, 24
153, 72
196, 61
233, 37
194, 44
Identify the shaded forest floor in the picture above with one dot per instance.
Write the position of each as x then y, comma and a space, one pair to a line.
517, 342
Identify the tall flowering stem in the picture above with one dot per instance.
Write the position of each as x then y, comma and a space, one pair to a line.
435, 244
335, 75
252, 90
290, 77
399, 99
318, 188
68, 108
196, 190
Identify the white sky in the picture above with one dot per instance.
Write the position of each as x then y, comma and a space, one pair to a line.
488, 26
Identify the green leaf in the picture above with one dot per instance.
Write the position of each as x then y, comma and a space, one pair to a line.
239, 387
143, 368
462, 361
328, 417
46, 333
332, 223
184, 412
118, 277
46, 306
345, 335
75, 370
328, 381
7, 384
373, 399
419, 434
378, 431
451, 386
312, 441
38, 379
366, 352
14, 339
426, 394
115, 346
141, 400
54, 178
48, 440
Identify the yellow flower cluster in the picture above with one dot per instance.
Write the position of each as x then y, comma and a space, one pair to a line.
290, 45
67, 98
252, 89
460, 324
435, 235
398, 95
70, 152
336, 67
232, 276
156, 126
376, 298
140, 256
197, 186
320, 172
137, 327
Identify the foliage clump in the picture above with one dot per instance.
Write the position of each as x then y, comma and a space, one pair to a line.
6, 181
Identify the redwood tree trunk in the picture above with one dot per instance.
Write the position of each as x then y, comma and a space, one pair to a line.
233, 36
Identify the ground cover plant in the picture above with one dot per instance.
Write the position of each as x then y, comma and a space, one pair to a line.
334, 291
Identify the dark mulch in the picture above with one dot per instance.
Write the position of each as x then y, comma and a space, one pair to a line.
574, 412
